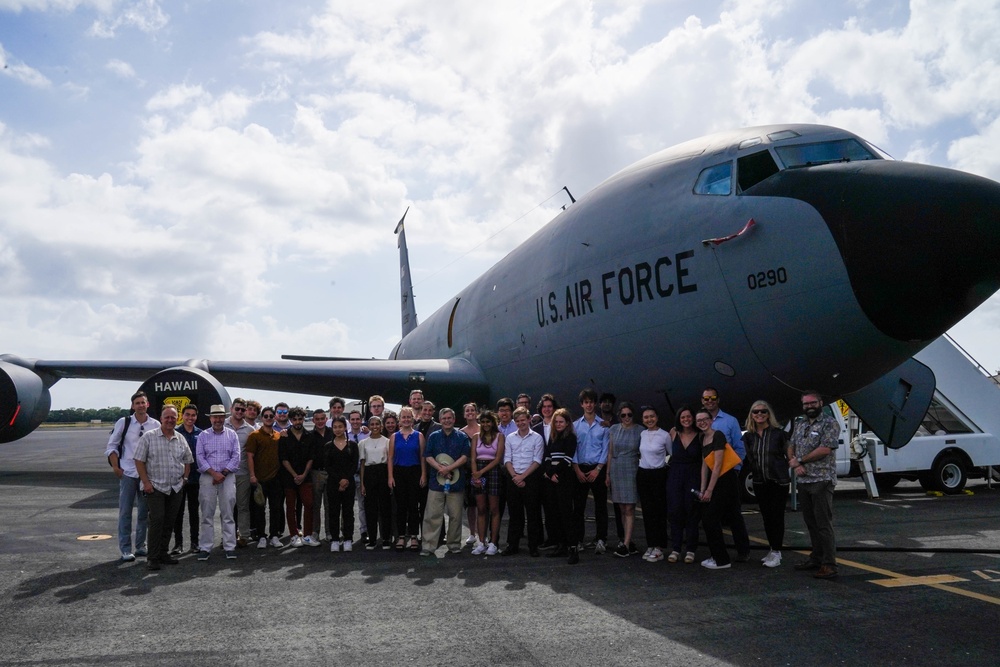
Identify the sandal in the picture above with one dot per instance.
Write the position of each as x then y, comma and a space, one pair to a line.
414, 544
689, 557
400, 544
673, 557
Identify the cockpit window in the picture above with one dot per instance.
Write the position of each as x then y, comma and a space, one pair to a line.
841, 150
715, 180
754, 168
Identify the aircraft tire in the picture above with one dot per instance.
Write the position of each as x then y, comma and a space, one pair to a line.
948, 474
747, 494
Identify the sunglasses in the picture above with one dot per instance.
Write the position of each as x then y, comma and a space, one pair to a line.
709, 398
267, 415
625, 415
761, 412
239, 409
282, 412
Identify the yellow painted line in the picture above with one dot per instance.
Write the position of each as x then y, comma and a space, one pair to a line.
988, 577
899, 582
896, 575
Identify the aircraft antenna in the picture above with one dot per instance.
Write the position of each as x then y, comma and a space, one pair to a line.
408, 310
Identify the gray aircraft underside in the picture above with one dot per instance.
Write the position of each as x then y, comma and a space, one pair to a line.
848, 263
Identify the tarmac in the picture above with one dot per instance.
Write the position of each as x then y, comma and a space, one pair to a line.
912, 590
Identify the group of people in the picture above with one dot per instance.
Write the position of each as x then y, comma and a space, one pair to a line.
406, 472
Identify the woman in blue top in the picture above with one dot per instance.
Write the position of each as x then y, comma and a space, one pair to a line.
407, 475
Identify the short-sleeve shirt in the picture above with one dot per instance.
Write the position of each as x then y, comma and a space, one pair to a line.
807, 436
264, 448
165, 459
456, 445
653, 449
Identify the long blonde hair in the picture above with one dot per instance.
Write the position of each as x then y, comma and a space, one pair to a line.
751, 425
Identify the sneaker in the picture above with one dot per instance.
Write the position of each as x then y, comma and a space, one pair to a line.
773, 559
742, 558
600, 547
655, 556
766, 556
689, 557
202, 555
195, 549
371, 546
454, 550
621, 550
472, 540
262, 543
424, 552
546, 545
574, 556
491, 549
140, 553
632, 549
310, 542
177, 550
315, 537
673, 557
230, 555
712, 565
334, 546
479, 549
348, 545
645, 556
385, 545
127, 557
276, 542
297, 542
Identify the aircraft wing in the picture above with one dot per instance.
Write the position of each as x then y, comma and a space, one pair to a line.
357, 378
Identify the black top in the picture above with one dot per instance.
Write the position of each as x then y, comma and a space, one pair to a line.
341, 463
297, 452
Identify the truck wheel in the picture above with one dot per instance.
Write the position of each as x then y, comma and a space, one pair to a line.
948, 474
886, 482
747, 494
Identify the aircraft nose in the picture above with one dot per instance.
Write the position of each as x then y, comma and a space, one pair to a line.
920, 243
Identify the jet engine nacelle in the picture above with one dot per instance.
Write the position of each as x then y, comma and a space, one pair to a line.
182, 385
24, 401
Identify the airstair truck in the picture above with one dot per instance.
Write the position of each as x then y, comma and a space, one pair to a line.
959, 436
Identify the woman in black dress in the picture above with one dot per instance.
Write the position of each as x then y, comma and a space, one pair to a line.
684, 478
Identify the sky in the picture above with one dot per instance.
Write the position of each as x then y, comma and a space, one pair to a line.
221, 180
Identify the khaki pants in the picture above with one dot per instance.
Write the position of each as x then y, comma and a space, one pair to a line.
437, 504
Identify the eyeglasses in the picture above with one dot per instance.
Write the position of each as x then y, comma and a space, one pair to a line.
810, 404
625, 415
761, 411
704, 421
709, 398
267, 415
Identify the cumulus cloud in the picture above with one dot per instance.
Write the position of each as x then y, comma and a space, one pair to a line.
143, 15
19, 71
122, 70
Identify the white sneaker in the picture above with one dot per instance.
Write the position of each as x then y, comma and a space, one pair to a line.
491, 549
310, 542
315, 537
296, 541
645, 556
655, 556
334, 546
479, 549
348, 545
276, 542
773, 559
712, 565
600, 547
473, 540
262, 543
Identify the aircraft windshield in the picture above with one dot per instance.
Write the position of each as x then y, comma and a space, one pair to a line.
842, 150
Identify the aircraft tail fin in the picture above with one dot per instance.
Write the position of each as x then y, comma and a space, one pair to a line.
408, 309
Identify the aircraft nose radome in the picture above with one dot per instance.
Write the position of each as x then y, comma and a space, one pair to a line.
920, 243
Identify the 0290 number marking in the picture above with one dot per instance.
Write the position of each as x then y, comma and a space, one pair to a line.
768, 278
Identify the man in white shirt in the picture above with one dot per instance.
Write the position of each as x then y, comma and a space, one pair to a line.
522, 457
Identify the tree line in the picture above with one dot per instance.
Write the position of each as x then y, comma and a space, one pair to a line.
70, 415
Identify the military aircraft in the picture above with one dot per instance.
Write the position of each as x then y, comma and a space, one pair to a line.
762, 262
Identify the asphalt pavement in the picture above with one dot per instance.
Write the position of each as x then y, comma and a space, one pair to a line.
912, 591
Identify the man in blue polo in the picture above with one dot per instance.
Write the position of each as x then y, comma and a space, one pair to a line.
589, 464
447, 453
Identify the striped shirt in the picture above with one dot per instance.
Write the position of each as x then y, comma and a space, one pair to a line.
165, 459
218, 451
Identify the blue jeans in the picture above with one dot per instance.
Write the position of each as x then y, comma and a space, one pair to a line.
129, 496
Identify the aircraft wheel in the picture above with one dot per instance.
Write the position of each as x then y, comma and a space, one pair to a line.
747, 494
886, 482
948, 474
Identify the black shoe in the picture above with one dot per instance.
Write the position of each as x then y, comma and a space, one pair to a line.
152, 565
177, 550
826, 572
806, 565
574, 556
545, 546
509, 550
534, 552
364, 537
742, 558
632, 549
169, 560
621, 551
559, 551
